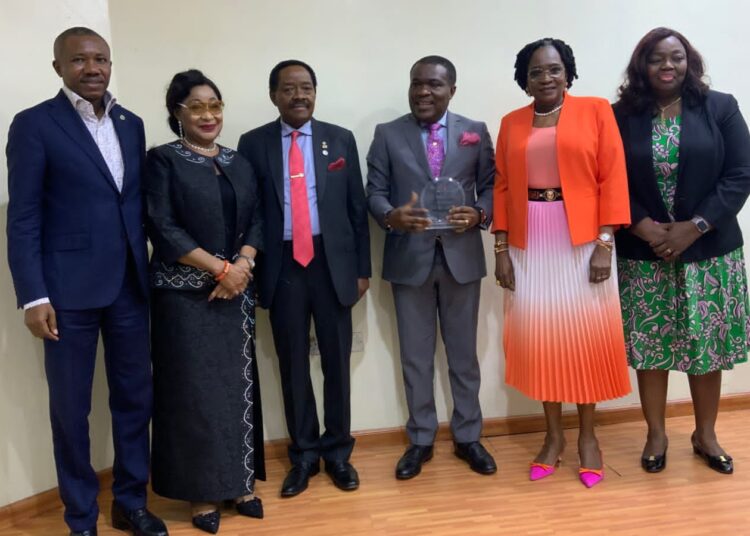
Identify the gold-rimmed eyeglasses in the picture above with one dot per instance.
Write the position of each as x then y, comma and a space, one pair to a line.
197, 109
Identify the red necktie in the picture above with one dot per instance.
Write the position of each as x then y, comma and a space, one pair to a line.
302, 246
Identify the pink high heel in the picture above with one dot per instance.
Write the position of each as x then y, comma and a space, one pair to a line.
591, 477
538, 471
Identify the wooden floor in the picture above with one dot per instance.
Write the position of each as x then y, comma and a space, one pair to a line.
449, 499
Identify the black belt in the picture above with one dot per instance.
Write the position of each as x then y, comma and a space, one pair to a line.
545, 194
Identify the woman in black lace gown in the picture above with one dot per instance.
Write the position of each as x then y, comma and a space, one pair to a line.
205, 227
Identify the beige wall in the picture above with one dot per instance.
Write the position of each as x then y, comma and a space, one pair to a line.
361, 52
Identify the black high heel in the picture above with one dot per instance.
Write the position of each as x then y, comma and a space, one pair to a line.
208, 522
251, 508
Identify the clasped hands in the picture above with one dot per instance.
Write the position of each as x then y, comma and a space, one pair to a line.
234, 282
667, 240
409, 218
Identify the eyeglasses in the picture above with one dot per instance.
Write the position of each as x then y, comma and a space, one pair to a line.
197, 109
556, 71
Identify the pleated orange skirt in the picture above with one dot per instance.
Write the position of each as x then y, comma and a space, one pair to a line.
563, 336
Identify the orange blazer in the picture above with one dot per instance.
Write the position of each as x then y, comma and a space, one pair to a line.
591, 162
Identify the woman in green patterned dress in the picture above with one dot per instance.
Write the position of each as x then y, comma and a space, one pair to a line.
682, 276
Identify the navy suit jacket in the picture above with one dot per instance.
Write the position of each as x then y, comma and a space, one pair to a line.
342, 207
69, 228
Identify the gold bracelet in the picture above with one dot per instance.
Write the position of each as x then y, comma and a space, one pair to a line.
500, 247
606, 245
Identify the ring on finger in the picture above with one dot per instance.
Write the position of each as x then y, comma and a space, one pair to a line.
668, 251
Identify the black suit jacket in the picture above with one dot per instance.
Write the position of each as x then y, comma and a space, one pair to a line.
342, 208
713, 176
184, 203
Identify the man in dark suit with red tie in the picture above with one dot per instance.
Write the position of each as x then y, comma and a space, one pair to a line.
316, 265
77, 253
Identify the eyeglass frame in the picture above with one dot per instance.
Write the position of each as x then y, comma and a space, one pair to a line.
204, 107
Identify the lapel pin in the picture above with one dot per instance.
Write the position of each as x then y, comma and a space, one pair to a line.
324, 146
122, 117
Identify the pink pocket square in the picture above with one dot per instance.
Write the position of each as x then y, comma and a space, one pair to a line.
469, 138
337, 164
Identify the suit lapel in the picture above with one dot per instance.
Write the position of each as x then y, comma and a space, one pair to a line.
238, 185
118, 120
452, 152
319, 135
688, 125
66, 116
641, 137
275, 160
413, 135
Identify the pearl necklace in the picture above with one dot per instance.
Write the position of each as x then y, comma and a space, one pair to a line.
552, 111
663, 109
199, 147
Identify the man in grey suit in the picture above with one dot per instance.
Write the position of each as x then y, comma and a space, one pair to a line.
434, 273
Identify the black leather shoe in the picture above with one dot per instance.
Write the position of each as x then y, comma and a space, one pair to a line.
721, 464
296, 480
90, 532
410, 464
208, 522
655, 463
140, 521
344, 476
251, 508
477, 457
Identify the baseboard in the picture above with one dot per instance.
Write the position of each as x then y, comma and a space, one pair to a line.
521, 424
42, 502
499, 426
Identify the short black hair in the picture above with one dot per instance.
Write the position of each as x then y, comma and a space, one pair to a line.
179, 89
71, 32
636, 94
524, 57
438, 60
273, 79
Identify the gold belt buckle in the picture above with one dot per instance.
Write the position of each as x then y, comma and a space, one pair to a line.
550, 194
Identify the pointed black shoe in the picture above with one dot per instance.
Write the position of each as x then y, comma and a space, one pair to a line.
251, 508
410, 464
208, 522
140, 521
654, 463
720, 464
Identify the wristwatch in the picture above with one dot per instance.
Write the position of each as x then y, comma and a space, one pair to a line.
701, 224
388, 226
605, 237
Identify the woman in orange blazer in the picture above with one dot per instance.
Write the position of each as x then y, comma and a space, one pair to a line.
560, 191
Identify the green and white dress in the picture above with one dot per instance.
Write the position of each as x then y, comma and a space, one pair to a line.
686, 316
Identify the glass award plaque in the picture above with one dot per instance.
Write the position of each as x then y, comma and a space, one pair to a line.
438, 197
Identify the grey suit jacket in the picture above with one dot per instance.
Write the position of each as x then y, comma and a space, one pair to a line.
397, 166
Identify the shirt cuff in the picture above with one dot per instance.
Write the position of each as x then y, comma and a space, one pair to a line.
34, 303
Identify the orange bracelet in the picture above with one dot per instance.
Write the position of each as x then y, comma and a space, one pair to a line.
224, 272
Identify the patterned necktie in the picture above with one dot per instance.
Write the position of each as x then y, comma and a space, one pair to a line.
435, 151
302, 246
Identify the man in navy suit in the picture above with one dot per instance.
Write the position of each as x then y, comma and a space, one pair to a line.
77, 253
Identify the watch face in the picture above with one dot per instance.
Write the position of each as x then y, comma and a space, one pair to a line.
702, 226
605, 237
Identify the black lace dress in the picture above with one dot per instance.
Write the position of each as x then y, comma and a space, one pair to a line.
207, 429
